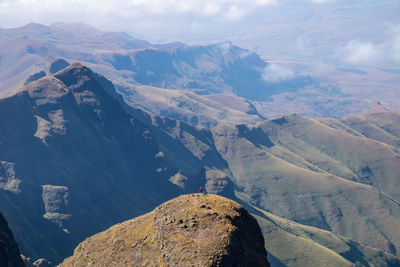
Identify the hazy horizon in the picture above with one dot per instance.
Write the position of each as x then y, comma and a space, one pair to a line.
360, 33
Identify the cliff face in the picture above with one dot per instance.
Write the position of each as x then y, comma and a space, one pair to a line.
9, 251
200, 230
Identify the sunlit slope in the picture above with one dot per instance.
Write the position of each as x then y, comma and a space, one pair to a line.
335, 151
311, 173
383, 126
196, 109
294, 244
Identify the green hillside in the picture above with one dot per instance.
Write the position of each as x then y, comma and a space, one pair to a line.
313, 174
294, 244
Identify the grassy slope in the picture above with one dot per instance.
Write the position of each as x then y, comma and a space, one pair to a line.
295, 244
305, 171
202, 110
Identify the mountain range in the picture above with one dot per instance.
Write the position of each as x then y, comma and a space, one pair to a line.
199, 72
76, 159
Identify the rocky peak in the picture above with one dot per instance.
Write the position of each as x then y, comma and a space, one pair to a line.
190, 230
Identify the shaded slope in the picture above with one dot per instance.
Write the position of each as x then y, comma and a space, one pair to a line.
189, 149
189, 230
9, 251
74, 163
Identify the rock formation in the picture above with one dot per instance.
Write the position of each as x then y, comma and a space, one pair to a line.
190, 230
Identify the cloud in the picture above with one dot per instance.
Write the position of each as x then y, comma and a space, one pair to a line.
155, 20
358, 52
229, 9
277, 73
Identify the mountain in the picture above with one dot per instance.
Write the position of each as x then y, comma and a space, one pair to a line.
206, 230
196, 109
194, 70
76, 159
281, 154
73, 162
273, 86
9, 251
25, 48
311, 172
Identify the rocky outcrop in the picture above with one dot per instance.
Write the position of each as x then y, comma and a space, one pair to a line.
218, 182
8, 180
38, 263
190, 230
55, 199
9, 251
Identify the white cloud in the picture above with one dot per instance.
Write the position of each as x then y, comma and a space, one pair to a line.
365, 52
277, 73
230, 9
356, 52
212, 8
159, 19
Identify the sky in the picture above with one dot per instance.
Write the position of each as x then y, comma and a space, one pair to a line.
357, 32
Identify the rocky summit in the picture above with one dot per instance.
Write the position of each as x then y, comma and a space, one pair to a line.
190, 230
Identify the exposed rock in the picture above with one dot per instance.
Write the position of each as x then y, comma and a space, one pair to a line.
218, 182
55, 199
179, 179
55, 125
191, 230
38, 263
9, 251
8, 180
42, 263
